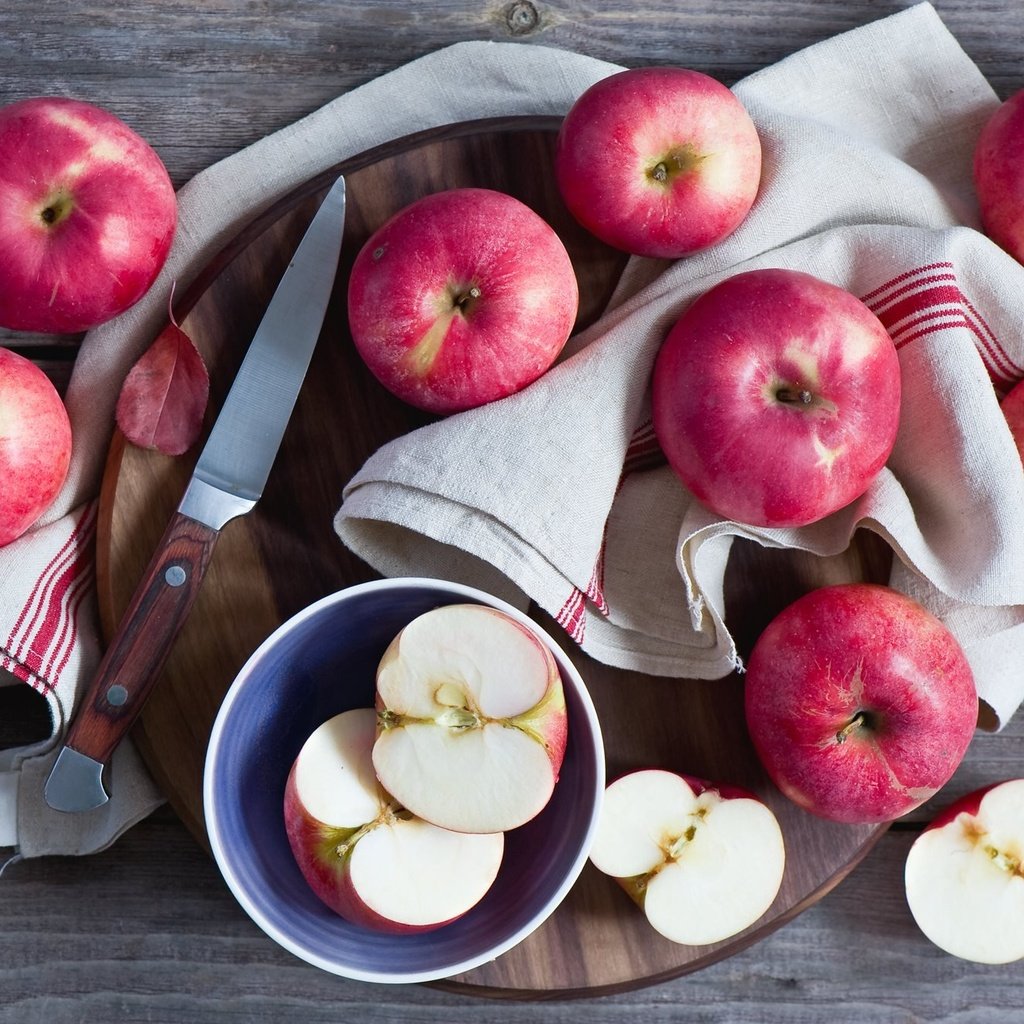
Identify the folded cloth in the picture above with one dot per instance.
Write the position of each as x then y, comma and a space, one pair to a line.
551, 496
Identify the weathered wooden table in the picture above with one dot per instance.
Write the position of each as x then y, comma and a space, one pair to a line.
147, 931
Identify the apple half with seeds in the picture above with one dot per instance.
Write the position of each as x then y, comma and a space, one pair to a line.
366, 856
964, 876
703, 862
471, 719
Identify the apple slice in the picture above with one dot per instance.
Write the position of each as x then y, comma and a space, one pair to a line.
366, 857
702, 862
964, 876
471, 719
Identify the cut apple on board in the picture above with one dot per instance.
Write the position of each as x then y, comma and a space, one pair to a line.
365, 856
965, 876
702, 862
471, 719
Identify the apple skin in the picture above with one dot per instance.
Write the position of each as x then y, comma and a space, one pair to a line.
87, 215
776, 398
660, 161
859, 702
35, 444
461, 298
1013, 409
999, 175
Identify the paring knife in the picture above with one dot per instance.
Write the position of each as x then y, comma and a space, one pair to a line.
227, 482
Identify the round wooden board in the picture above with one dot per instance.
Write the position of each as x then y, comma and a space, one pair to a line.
285, 555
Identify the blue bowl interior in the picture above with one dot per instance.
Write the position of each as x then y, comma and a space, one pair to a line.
317, 667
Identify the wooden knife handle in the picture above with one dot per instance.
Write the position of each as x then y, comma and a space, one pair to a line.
157, 611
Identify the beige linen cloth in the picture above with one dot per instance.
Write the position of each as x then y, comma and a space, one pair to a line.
544, 495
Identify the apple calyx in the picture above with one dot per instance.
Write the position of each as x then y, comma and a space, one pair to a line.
56, 208
678, 162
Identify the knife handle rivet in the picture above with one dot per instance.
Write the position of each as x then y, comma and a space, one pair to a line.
117, 695
175, 576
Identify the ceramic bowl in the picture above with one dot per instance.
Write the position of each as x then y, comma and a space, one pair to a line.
322, 662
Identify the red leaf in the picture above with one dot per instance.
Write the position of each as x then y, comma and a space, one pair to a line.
163, 398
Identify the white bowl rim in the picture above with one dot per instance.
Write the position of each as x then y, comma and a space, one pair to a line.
218, 846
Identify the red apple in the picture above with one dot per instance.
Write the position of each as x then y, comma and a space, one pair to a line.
1013, 410
964, 876
703, 862
35, 444
658, 161
461, 298
999, 175
471, 719
776, 398
365, 856
860, 702
87, 215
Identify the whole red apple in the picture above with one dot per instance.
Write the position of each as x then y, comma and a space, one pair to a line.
35, 444
999, 175
87, 215
860, 702
776, 398
463, 297
658, 161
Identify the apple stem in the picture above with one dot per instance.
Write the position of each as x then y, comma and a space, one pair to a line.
860, 719
794, 396
463, 300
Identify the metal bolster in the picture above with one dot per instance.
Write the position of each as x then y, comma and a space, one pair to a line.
211, 505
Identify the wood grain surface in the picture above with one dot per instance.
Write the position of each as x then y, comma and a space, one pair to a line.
146, 931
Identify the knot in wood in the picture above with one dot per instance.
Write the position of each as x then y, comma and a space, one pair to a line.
522, 18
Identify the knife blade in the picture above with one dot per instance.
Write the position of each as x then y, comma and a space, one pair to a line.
227, 482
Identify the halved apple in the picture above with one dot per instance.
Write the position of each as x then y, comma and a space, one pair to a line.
471, 719
363, 854
964, 876
702, 862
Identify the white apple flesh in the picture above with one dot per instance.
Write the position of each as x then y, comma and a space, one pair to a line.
703, 862
471, 719
365, 856
964, 876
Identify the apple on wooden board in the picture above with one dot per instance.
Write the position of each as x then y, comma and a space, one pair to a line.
362, 853
776, 398
659, 161
860, 703
35, 444
463, 297
472, 722
702, 861
87, 215
999, 175
964, 876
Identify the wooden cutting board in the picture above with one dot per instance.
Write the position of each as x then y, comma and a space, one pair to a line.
285, 555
